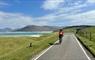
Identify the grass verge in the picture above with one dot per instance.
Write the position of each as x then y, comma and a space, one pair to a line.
88, 44
17, 48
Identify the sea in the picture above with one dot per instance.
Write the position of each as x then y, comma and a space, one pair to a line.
21, 34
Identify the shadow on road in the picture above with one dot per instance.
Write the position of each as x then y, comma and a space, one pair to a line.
54, 43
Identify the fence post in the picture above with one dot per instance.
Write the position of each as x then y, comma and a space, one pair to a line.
90, 36
86, 34
30, 45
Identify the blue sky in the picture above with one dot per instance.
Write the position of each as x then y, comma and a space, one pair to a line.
19, 13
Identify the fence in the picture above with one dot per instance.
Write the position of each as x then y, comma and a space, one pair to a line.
88, 35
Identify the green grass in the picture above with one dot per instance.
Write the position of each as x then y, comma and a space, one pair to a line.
88, 43
17, 48
70, 30
90, 29
84, 35
85, 38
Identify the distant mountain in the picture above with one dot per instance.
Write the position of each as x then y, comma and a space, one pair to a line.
5, 29
38, 28
78, 27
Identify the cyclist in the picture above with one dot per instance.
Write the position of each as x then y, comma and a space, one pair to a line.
60, 35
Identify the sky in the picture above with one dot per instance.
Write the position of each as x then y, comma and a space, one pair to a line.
19, 13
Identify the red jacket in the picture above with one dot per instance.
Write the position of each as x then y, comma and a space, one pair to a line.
61, 33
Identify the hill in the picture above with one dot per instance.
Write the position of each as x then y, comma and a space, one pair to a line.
38, 28
78, 27
74, 28
5, 29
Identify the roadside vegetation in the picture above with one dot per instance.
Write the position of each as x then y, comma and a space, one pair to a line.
70, 30
87, 36
18, 48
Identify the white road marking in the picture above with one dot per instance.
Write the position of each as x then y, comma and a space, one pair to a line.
43, 52
82, 48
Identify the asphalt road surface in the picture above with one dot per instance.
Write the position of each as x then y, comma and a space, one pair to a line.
70, 49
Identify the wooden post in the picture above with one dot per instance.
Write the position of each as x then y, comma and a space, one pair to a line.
90, 36
86, 34
30, 45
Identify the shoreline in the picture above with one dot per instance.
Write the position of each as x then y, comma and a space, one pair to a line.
20, 35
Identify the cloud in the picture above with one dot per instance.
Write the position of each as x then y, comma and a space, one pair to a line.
2, 4
76, 12
14, 20
74, 16
64, 6
91, 1
18, 20
83, 18
51, 4
64, 15
44, 20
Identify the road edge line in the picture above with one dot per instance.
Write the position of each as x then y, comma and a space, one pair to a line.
82, 48
43, 52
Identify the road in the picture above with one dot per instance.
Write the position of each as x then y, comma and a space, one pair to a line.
70, 49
